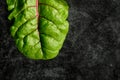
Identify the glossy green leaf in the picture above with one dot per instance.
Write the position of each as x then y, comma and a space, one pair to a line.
40, 26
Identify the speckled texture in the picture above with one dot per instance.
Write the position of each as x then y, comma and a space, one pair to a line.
90, 52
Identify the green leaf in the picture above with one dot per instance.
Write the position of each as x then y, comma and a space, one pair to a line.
40, 26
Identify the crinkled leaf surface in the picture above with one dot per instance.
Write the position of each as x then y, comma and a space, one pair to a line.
40, 26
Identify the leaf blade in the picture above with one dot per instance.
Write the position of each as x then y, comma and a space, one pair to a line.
39, 38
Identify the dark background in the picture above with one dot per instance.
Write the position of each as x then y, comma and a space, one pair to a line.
91, 50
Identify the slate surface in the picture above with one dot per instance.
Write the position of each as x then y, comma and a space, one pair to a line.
90, 52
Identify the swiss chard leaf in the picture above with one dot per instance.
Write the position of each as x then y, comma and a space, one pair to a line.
40, 26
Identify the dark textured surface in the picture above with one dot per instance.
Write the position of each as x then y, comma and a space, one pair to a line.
90, 52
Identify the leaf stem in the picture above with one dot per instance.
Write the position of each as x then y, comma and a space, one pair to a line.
37, 3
